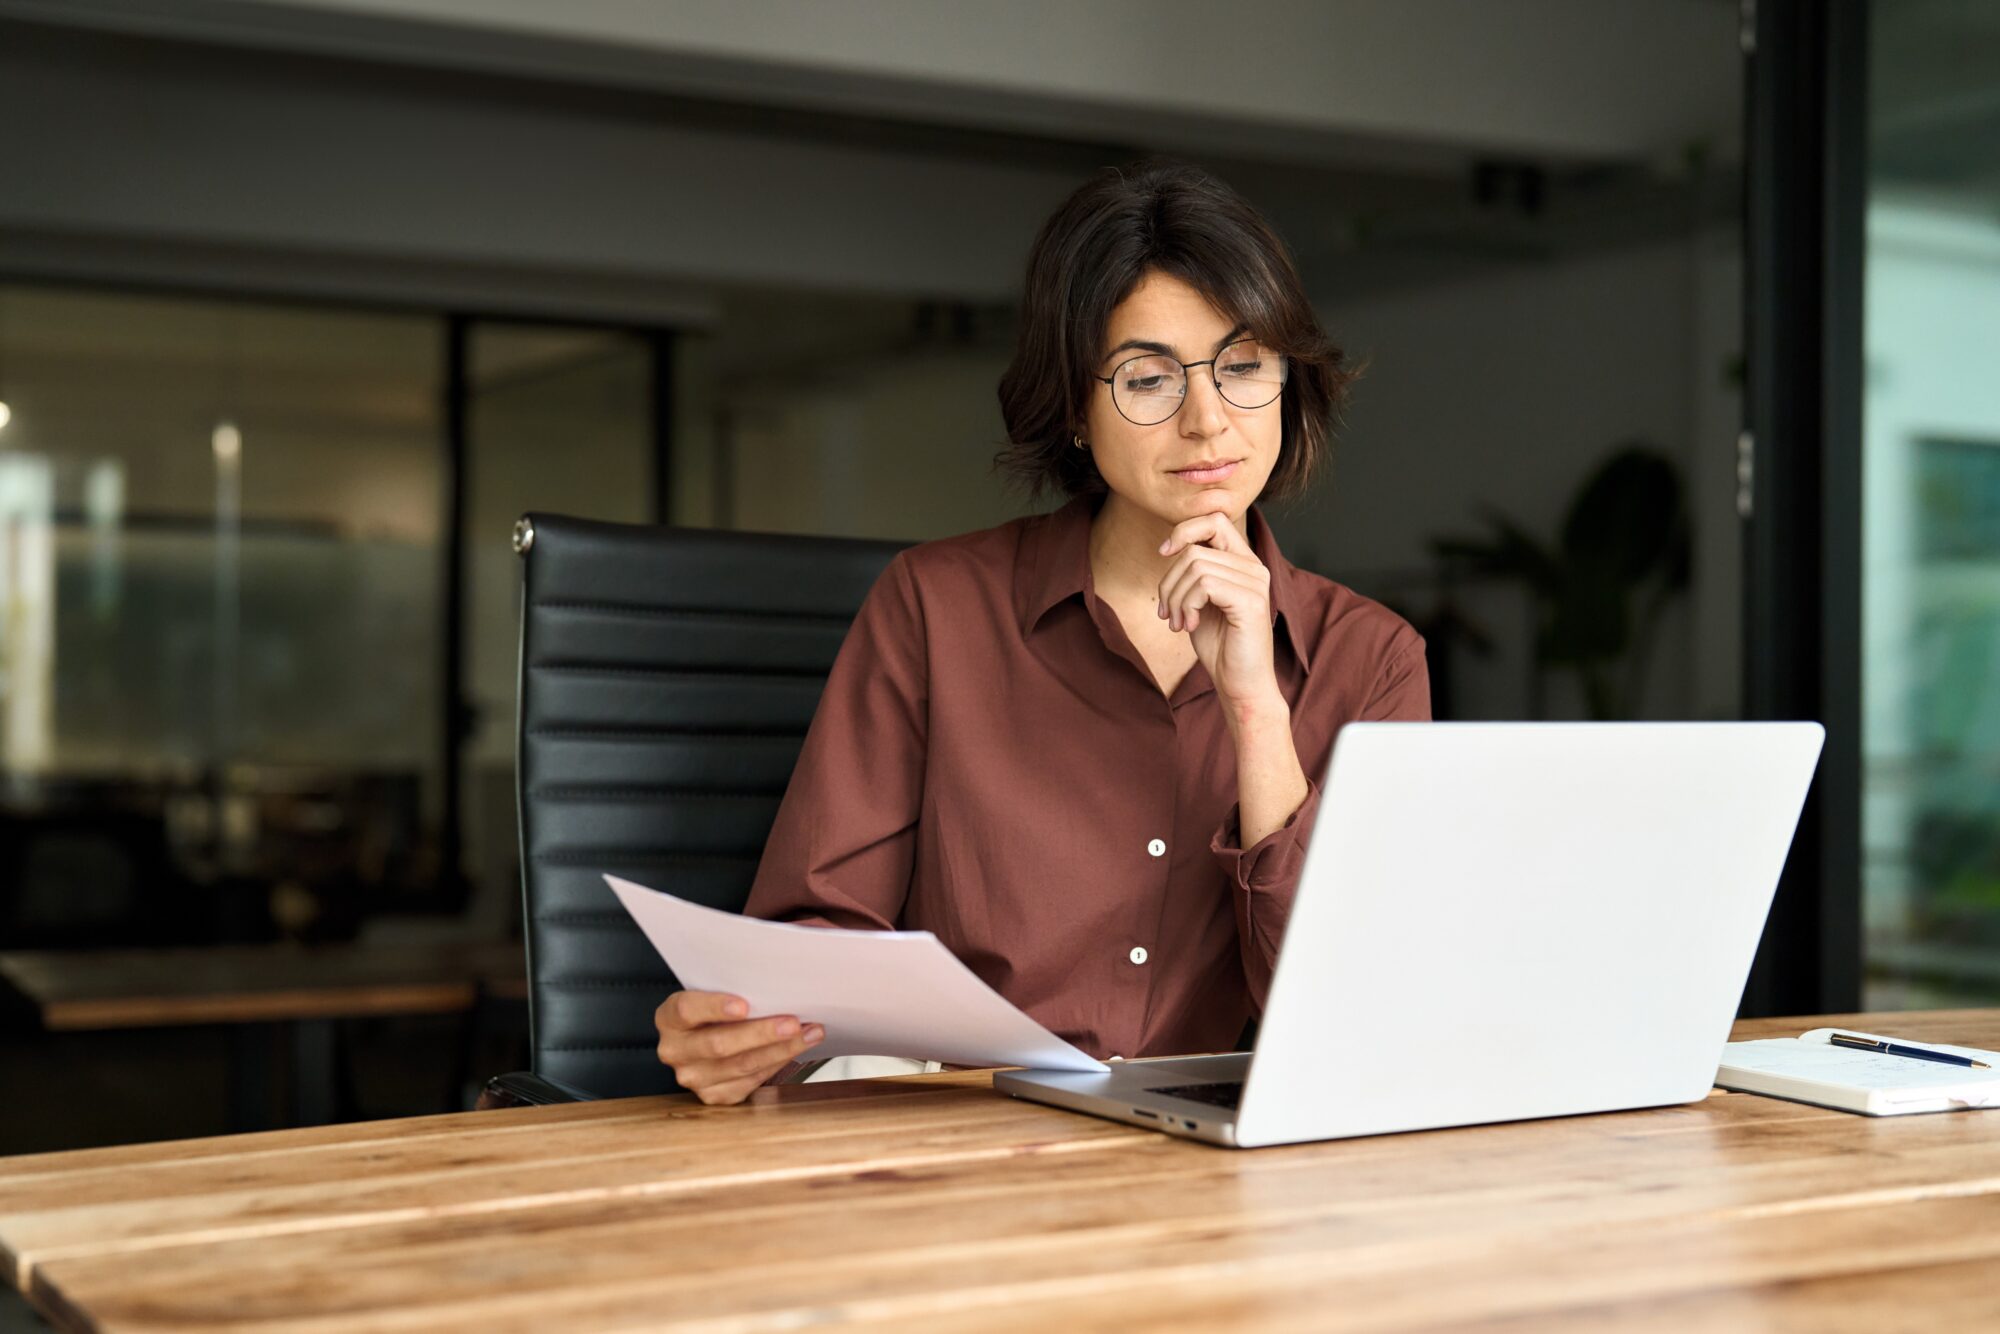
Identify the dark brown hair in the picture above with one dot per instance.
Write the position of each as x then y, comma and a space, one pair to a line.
1162, 214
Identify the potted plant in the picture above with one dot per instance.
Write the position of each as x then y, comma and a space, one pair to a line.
1599, 590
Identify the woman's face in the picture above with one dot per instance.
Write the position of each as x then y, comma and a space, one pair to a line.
1210, 455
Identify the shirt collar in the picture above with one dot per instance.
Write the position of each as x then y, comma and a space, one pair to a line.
1054, 565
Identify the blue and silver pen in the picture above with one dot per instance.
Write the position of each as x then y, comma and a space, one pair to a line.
1888, 1048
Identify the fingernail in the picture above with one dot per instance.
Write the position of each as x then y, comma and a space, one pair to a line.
787, 1027
736, 1009
1163, 609
814, 1034
1164, 545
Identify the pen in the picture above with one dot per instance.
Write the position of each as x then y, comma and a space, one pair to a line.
1898, 1049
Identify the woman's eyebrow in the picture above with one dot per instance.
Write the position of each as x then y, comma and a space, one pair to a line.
1168, 349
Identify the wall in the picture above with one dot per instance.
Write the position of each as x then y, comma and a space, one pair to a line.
1501, 391
901, 450
1498, 388
1504, 391
1301, 80
175, 162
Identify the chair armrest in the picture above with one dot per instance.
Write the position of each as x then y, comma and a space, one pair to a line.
524, 1088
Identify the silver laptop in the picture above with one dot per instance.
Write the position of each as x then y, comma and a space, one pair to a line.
1496, 921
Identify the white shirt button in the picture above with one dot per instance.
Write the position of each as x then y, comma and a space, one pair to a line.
1157, 847
1138, 954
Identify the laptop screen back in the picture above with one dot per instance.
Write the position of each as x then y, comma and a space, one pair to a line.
1508, 920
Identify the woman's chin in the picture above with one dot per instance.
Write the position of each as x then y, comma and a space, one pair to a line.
1207, 499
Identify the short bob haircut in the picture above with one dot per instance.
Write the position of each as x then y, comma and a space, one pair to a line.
1157, 213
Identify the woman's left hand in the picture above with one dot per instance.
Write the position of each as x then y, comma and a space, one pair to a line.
1220, 593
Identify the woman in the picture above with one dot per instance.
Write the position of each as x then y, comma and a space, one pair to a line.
1080, 747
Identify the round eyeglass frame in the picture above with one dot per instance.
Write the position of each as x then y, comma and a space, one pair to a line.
1186, 368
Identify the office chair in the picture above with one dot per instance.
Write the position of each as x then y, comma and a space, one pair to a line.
667, 677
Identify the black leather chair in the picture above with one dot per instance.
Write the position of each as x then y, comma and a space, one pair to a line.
667, 677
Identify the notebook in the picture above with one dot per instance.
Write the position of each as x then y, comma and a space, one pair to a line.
1808, 1068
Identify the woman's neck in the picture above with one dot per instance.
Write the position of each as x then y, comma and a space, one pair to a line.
1125, 559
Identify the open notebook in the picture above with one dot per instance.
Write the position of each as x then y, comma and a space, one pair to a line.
1808, 1068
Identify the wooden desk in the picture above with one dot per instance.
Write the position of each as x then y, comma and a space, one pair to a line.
928, 1203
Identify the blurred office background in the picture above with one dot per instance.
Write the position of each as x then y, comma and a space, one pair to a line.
303, 301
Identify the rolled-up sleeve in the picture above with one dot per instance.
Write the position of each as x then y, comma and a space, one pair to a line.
1264, 877
840, 850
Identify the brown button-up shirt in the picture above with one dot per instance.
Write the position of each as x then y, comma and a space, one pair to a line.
993, 762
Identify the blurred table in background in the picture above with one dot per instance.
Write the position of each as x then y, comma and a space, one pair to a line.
273, 995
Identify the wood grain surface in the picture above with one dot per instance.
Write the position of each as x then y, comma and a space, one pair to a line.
931, 1203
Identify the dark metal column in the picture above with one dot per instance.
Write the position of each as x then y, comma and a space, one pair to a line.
457, 389
660, 343
1806, 160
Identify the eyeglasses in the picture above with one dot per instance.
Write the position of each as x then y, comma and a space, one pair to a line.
1149, 389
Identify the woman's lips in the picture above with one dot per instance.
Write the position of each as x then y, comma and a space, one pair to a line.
1215, 474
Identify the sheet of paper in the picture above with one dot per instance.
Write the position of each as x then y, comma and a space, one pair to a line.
878, 993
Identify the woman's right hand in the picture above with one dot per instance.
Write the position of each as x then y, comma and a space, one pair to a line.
720, 1055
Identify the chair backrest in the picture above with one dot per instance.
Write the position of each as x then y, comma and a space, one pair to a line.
667, 678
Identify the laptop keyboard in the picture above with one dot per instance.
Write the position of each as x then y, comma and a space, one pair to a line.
1227, 1094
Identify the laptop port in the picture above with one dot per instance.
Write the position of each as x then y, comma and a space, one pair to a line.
1190, 1125
1150, 1116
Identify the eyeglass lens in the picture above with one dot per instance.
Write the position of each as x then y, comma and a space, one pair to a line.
1150, 389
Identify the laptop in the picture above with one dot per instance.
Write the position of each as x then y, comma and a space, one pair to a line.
1494, 922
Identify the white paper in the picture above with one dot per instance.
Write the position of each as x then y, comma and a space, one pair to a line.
877, 993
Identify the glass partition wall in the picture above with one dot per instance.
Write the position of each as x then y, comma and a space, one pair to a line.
232, 539
559, 419
258, 600
1931, 508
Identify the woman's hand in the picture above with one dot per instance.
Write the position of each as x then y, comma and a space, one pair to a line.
717, 1052
1220, 593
